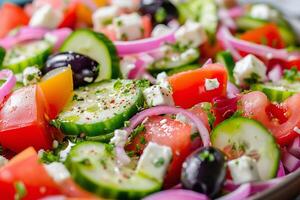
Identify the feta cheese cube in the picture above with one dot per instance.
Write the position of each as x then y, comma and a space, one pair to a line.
104, 16
182, 118
160, 30
126, 65
46, 17
191, 33
57, 171
120, 138
243, 170
249, 68
154, 161
263, 11
128, 27
127, 5
211, 84
31, 75
157, 95
162, 80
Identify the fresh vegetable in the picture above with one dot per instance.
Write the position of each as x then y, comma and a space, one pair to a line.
88, 158
241, 136
28, 54
97, 47
22, 121
189, 87
85, 70
225, 58
281, 119
100, 108
2, 55
161, 11
57, 87
8, 85
177, 194
17, 182
12, 16
204, 171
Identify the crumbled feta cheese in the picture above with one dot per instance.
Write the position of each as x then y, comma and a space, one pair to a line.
120, 138
154, 161
50, 37
263, 11
3, 161
162, 80
31, 75
191, 33
57, 171
243, 170
296, 129
64, 153
188, 54
160, 30
126, 65
19, 77
182, 118
127, 5
46, 17
211, 84
249, 68
157, 95
128, 27
104, 16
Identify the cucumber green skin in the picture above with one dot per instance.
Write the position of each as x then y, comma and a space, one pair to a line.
272, 93
97, 188
38, 60
227, 60
287, 33
234, 121
115, 61
182, 69
2, 55
100, 128
101, 138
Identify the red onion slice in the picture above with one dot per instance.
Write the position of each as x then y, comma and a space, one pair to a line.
242, 192
281, 171
275, 74
178, 194
226, 19
294, 147
10, 82
290, 162
235, 12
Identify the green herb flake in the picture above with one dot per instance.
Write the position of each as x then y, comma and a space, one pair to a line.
291, 74
20, 190
159, 162
49, 157
252, 79
118, 85
160, 15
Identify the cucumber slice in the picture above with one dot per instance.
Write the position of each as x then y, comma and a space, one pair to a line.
100, 108
93, 167
286, 32
251, 137
227, 60
278, 91
182, 69
98, 47
174, 61
28, 54
2, 55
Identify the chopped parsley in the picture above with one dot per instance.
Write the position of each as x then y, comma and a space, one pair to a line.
207, 108
49, 157
160, 15
20, 190
254, 78
118, 85
159, 162
291, 74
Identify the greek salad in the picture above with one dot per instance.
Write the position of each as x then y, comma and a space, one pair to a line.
146, 99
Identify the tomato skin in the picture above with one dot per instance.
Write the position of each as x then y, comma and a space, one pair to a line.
169, 132
267, 35
23, 122
189, 86
70, 17
146, 21
292, 63
12, 16
26, 168
256, 105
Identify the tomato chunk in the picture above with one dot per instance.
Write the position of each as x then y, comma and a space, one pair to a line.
23, 122
25, 169
189, 86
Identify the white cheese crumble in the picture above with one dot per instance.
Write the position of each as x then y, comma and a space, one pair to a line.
191, 33
120, 138
296, 129
243, 170
46, 17
31, 75
263, 11
248, 68
57, 171
154, 161
211, 84
126, 65
156, 95
162, 80
104, 16
160, 30
128, 27
182, 118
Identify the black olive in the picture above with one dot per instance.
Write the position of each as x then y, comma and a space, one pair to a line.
161, 11
204, 171
85, 70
